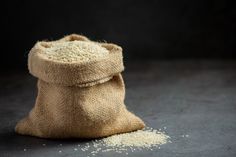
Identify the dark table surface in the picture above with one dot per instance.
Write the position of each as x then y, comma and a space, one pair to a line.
195, 98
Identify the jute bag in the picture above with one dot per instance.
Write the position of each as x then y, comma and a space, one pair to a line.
78, 100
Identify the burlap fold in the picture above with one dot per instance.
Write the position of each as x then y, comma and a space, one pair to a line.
78, 100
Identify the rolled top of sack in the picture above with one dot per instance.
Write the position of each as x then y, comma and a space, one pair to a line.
75, 60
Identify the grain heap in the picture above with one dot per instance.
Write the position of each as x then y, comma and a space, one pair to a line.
140, 138
147, 139
73, 51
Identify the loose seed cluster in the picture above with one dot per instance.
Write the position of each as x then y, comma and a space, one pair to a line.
73, 51
140, 138
147, 139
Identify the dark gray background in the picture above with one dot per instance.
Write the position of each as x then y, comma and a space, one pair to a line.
157, 29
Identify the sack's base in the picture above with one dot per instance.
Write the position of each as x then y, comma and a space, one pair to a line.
75, 112
133, 123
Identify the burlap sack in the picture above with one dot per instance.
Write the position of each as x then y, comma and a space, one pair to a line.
78, 100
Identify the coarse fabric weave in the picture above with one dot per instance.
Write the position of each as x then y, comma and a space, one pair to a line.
78, 100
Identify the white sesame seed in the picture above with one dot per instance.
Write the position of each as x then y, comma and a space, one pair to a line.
140, 138
73, 51
127, 142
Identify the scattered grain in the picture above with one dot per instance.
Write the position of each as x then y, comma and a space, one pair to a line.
184, 135
147, 139
140, 138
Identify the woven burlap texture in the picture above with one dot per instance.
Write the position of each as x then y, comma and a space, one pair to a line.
78, 100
